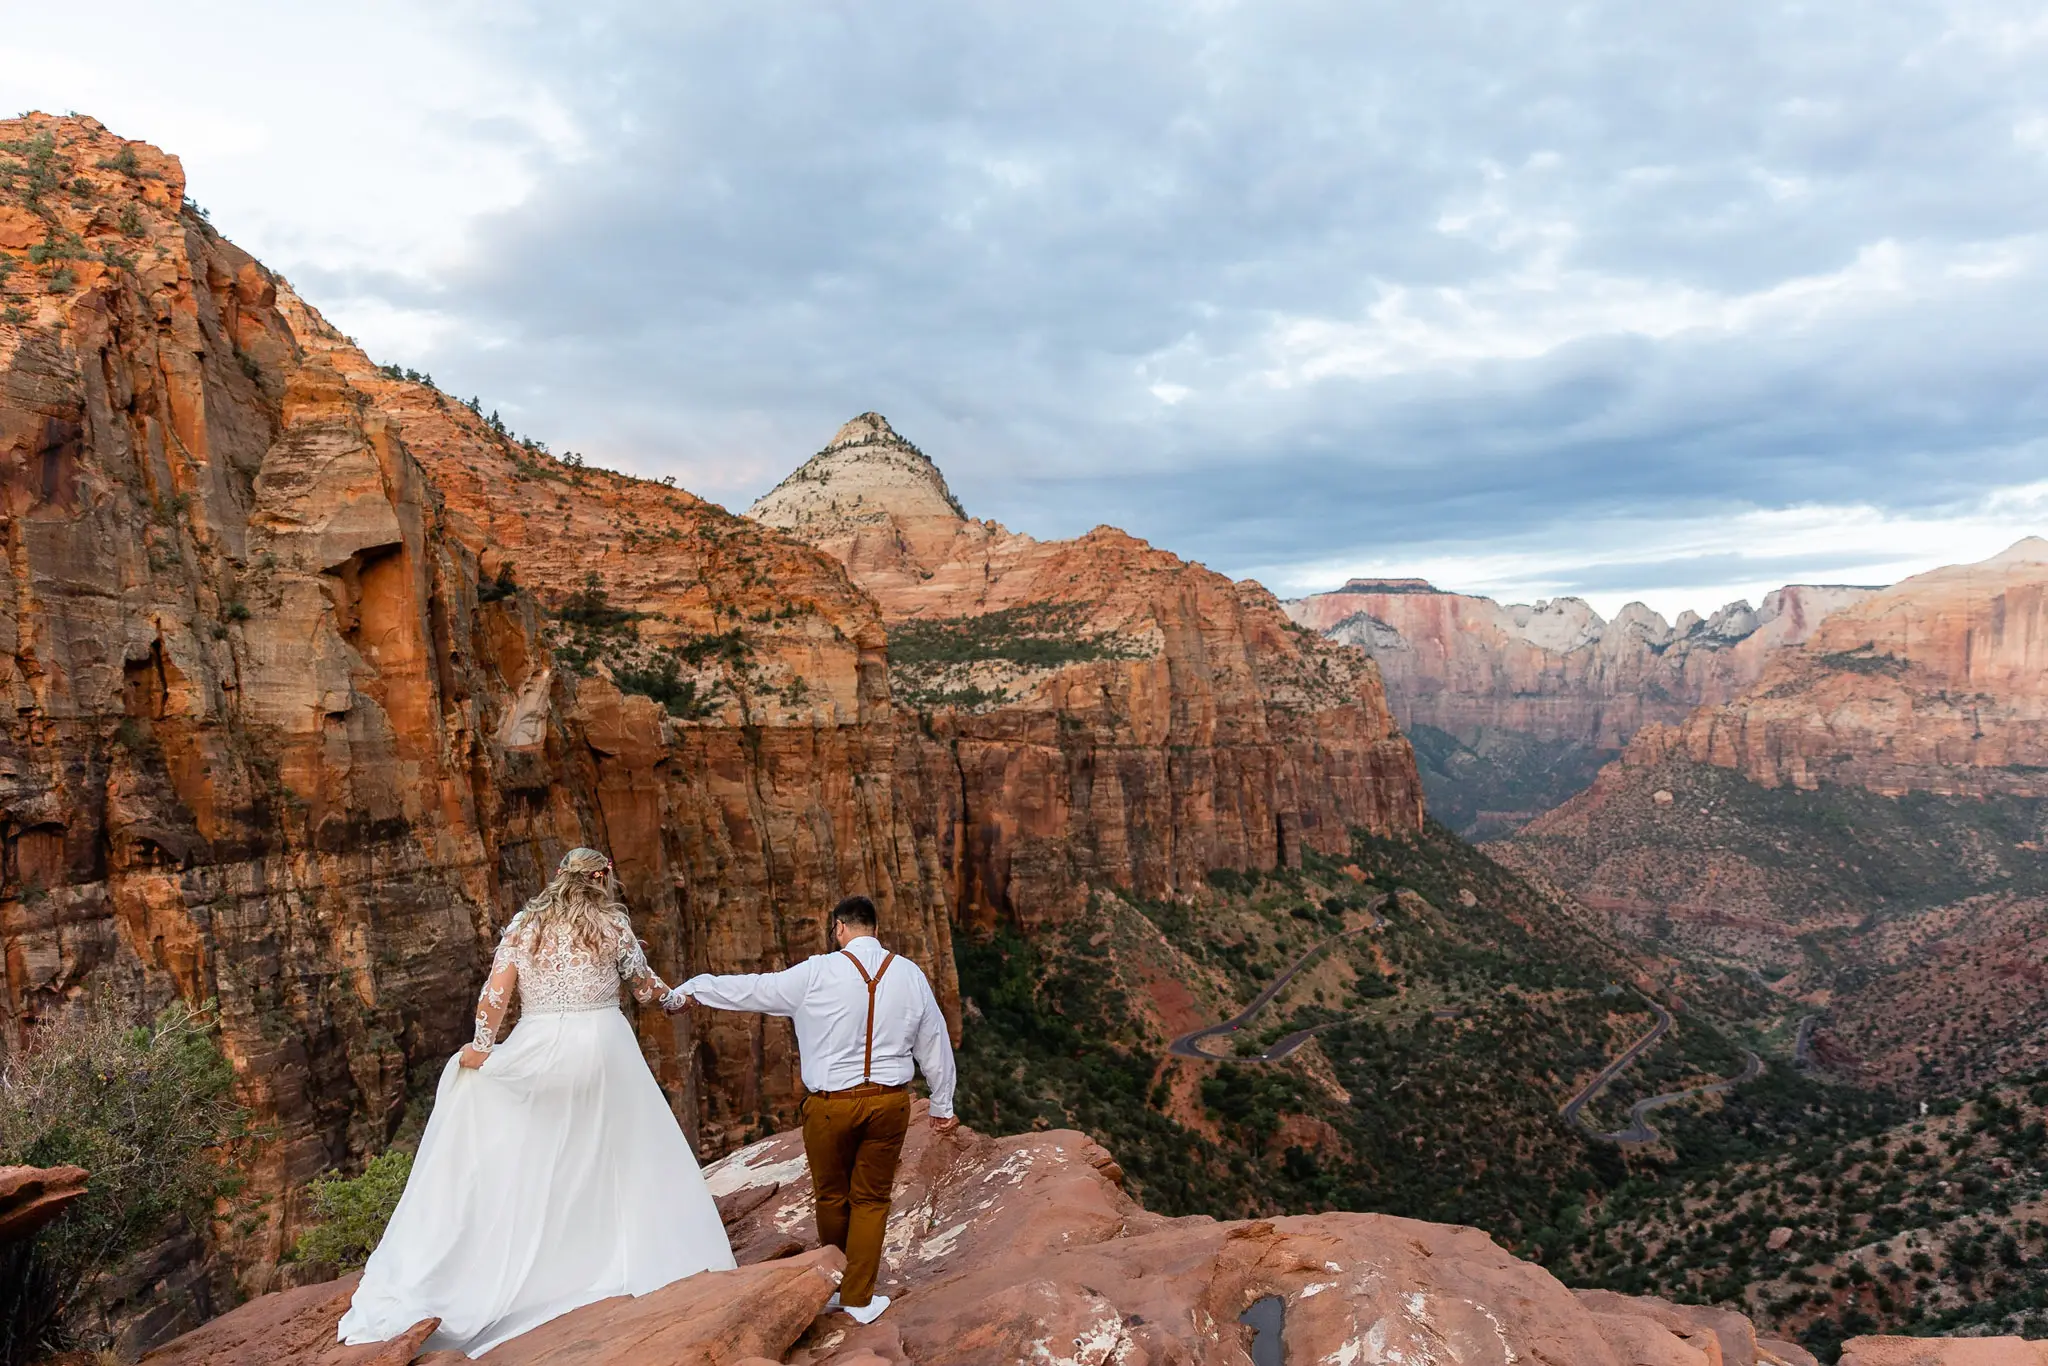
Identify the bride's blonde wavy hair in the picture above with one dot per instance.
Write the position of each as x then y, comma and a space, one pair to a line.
580, 902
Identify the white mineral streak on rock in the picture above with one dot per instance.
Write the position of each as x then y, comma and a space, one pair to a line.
941, 1243
1013, 1168
1102, 1342
1499, 1330
1309, 1291
740, 1171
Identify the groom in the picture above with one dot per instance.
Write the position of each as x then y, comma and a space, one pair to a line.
862, 1015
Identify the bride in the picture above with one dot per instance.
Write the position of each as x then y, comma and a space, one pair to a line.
552, 1173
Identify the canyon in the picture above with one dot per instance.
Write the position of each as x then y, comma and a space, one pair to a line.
1865, 823
1513, 708
316, 670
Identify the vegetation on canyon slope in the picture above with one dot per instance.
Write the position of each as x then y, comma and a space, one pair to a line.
947, 661
1920, 916
149, 1114
1455, 1032
1932, 1223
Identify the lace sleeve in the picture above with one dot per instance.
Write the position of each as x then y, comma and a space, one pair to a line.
634, 971
497, 994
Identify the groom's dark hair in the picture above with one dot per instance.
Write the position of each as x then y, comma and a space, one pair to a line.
855, 912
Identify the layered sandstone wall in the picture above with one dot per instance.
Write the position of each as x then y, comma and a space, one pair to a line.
1100, 712
1556, 670
314, 675
1938, 684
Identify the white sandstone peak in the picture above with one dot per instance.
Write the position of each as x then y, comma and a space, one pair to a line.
867, 473
2026, 550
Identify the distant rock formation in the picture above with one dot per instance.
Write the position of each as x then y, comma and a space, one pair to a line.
1555, 669
1937, 684
870, 499
1877, 790
1513, 707
1095, 711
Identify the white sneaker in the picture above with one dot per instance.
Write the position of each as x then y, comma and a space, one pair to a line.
866, 1313
832, 1305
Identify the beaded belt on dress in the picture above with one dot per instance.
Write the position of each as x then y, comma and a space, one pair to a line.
572, 1010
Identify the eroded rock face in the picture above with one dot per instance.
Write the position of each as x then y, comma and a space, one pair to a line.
1513, 708
314, 675
1094, 711
1555, 669
1938, 684
723, 1318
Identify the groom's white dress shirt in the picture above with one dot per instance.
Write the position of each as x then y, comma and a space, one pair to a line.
829, 1003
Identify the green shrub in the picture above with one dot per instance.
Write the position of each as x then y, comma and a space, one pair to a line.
354, 1211
149, 1113
662, 681
1039, 635
499, 588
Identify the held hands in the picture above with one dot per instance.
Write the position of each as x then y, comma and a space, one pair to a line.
471, 1056
675, 1002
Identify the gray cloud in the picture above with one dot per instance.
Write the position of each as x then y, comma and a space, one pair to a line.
1667, 261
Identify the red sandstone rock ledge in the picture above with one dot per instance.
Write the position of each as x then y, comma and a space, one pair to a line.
32, 1196
1028, 1249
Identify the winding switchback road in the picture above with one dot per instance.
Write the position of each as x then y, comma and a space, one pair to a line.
1802, 1042
1185, 1045
1608, 1073
1639, 1129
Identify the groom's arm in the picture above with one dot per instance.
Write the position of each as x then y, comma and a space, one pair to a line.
770, 993
933, 1050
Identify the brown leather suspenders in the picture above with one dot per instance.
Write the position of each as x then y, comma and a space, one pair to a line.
867, 1056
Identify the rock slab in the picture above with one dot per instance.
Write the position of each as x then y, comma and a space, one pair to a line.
31, 1197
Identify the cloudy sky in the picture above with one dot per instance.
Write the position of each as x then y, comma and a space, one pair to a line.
1675, 301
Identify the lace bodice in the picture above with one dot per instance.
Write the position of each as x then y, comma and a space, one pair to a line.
560, 974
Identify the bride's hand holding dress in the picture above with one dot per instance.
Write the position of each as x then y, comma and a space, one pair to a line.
552, 1173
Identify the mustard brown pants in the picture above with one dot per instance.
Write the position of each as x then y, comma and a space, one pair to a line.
852, 1143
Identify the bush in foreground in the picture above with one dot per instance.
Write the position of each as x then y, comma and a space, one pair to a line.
149, 1113
353, 1212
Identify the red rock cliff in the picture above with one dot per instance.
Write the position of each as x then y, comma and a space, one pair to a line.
1556, 670
1938, 684
1095, 711
313, 675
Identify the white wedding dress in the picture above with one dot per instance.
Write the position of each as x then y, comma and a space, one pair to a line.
550, 1177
